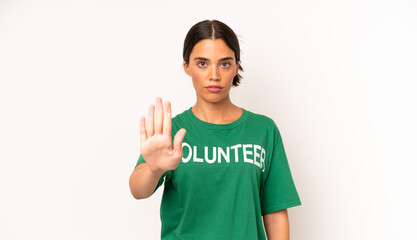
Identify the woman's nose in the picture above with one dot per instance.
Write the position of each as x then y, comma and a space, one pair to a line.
214, 73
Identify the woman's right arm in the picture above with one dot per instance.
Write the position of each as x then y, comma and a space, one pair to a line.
143, 181
157, 150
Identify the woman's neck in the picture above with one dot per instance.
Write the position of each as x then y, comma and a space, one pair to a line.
219, 113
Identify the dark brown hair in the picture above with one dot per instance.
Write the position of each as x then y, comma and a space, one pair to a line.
212, 29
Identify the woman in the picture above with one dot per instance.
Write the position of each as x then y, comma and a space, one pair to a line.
226, 167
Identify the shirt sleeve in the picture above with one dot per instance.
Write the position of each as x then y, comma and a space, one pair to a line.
278, 190
166, 176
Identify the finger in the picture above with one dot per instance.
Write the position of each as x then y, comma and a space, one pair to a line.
179, 136
150, 125
159, 117
143, 136
167, 118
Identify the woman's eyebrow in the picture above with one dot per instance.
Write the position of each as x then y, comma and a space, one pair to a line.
208, 60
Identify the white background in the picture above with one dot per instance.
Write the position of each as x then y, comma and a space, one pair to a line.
338, 77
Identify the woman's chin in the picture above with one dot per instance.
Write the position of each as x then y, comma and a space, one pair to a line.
215, 99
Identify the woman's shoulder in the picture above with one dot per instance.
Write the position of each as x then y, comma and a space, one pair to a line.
260, 118
264, 123
181, 117
252, 118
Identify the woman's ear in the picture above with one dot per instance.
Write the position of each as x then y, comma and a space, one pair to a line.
237, 69
186, 68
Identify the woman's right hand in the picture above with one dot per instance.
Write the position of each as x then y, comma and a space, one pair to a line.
155, 139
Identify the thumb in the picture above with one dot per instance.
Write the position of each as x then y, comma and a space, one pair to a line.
179, 136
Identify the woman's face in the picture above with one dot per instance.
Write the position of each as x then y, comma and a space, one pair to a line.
212, 67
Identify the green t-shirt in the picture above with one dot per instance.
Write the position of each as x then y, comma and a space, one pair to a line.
229, 177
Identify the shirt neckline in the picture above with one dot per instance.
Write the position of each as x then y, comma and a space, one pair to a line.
215, 126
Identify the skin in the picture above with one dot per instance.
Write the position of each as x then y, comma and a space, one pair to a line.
212, 62
157, 149
277, 226
213, 107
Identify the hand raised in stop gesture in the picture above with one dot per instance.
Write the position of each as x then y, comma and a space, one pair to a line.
155, 139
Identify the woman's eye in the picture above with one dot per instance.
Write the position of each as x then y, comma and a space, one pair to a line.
204, 64
226, 64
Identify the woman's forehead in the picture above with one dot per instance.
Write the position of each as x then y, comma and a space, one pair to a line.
212, 49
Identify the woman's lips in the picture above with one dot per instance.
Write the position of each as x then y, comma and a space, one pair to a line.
214, 89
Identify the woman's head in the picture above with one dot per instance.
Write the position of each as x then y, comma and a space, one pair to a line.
213, 29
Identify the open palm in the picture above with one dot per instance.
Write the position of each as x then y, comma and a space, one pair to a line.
155, 139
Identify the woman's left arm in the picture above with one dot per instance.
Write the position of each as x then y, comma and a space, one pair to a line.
277, 225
